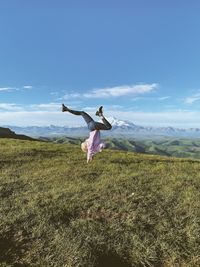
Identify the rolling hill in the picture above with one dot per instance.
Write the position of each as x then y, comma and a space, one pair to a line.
181, 148
123, 209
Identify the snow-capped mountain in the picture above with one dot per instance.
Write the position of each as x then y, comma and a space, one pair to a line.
119, 128
120, 123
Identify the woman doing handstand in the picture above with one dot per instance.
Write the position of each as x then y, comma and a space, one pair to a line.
93, 144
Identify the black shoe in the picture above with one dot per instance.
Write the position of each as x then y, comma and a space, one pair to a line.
100, 111
64, 108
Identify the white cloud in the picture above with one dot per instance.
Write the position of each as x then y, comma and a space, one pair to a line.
192, 99
11, 107
116, 91
163, 98
50, 113
28, 87
137, 98
121, 91
54, 93
72, 95
90, 109
39, 118
45, 107
176, 118
29, 108
180, 118
7, 89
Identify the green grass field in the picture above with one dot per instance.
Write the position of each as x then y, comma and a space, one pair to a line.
122, 209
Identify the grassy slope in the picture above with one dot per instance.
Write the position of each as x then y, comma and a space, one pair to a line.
133, 209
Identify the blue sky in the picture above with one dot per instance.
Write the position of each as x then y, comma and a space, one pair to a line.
140, 59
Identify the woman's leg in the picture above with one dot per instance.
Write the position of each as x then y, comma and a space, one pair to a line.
85, 116
102, 126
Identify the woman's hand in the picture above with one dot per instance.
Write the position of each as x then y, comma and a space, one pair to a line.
90, 159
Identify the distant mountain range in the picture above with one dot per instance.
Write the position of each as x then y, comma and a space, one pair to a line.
120, 128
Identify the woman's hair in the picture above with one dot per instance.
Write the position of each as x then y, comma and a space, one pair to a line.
84, 146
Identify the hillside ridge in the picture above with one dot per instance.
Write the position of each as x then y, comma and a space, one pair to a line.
7, 133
